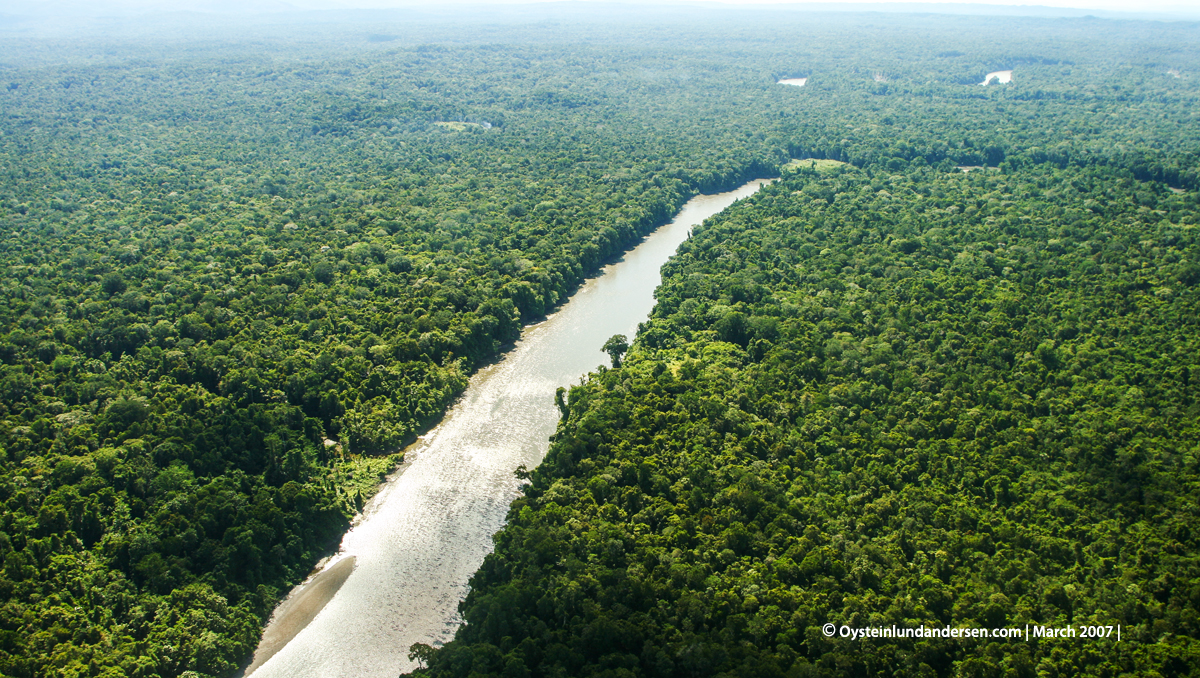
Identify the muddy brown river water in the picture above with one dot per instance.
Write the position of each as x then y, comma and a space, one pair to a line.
404, 567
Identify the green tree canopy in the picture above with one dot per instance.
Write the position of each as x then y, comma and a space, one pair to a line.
615, 347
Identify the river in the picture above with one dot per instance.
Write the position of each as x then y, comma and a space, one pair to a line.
406, 564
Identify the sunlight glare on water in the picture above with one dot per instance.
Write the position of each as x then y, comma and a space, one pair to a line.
428, 531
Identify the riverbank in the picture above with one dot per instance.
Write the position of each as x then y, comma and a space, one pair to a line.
425, 534
299, 609
307, 600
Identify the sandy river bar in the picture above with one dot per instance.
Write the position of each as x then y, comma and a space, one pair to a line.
299, 609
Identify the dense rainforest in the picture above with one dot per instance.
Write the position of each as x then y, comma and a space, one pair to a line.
243, 272
874, 398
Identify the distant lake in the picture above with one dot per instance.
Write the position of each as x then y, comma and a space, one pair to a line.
1001, 77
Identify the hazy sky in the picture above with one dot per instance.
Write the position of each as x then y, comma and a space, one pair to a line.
1113, 5
1186, 7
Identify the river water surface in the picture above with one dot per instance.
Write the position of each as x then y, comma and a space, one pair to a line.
428, 530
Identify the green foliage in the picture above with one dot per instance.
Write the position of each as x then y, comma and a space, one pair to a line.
821, 423
210, 348
616, 346
240, 276
420, 653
